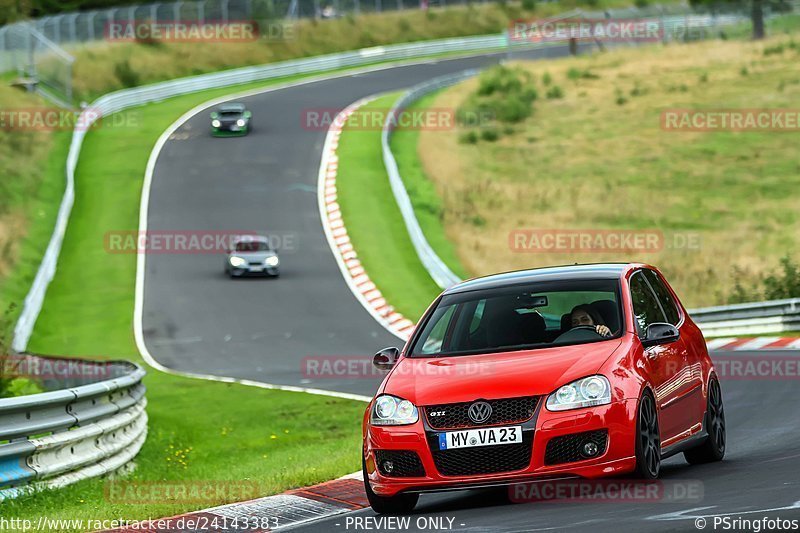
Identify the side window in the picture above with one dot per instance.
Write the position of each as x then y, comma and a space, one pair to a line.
645, 305
438, 329
664, 297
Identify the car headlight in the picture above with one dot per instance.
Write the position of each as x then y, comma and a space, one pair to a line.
216, 123
240, 123
272, 261
586, 392
237, 261
392, 411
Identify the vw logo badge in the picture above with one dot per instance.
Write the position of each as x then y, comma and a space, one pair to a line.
479, 412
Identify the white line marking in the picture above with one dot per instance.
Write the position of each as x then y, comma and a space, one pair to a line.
682, 515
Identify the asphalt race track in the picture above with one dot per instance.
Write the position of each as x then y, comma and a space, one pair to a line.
197, 320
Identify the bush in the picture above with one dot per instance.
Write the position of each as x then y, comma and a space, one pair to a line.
576, 74
547, 79
125, 73
529, 5
490, 134
555, 92
503, 94
785, 283
468, 137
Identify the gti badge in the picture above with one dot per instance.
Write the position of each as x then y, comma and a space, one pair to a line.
479, 412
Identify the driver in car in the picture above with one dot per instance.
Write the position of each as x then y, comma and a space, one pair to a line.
583, 315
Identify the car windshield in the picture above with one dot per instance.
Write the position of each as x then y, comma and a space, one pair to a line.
252, 246
521, 317
229, 113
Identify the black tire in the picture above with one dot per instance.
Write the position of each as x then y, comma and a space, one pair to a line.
648, 439
394, 505
713, 447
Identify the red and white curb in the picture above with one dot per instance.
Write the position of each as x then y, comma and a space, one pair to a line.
754, 343
271, 513
353, 271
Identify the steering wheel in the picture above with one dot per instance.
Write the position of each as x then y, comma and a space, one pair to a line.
579, 333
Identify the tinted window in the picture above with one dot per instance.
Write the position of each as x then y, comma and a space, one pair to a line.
664, 296
645, 305
252, 246
521, 317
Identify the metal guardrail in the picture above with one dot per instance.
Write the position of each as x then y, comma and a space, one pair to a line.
85, 430
127, 98
438, 270
756, 318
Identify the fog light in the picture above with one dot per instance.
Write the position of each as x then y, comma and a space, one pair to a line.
388, 467
590, 449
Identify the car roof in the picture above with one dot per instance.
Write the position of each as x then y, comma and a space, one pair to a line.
554, 273
232, 107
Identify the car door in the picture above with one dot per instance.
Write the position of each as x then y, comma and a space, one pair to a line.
665, 364
690, 395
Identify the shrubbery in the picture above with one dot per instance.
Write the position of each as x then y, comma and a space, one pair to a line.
504, 95
778, 285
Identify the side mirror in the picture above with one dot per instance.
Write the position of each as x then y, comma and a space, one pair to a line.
386, 358
660, 333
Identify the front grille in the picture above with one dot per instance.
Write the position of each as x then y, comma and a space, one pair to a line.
482, 459
505, 411
568, 449
405, 463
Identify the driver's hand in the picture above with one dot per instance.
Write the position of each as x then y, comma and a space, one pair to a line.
603, 330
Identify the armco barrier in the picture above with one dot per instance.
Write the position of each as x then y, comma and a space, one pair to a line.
757, 318
438, 270
84, 430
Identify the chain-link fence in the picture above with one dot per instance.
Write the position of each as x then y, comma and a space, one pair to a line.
33, 48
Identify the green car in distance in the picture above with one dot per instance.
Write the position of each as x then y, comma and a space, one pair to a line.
230, 119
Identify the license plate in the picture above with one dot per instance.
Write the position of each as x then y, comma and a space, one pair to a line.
480, 437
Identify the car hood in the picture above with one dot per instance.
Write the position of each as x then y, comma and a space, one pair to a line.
432, 381
253, 256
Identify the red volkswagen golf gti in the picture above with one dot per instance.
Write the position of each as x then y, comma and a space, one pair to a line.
577, 371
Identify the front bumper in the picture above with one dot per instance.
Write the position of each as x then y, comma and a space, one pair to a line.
253, 270
617, 418
229, 131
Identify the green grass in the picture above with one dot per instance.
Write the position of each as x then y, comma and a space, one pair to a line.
227, 439
88, 312
374, 222
589, 161
425, 198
